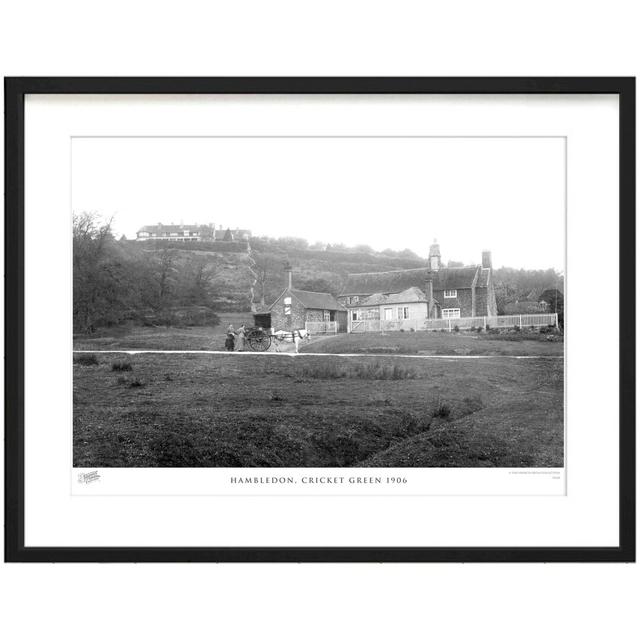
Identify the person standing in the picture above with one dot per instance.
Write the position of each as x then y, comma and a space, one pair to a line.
296, 339
230, 340
240, 338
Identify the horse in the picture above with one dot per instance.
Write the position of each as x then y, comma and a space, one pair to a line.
295, 336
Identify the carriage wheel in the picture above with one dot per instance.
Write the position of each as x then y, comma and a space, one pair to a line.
260, 342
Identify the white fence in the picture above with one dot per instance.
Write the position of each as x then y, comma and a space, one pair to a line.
525, 320
321, 327
364, 326
449, 324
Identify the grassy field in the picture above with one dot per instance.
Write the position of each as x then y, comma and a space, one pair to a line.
176, 338
422, 342
271, 411
436, 343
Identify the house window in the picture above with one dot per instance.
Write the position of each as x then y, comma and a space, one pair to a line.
354, 300
403, 313
451, 313
327, 316
450, 293
388, 314
355, 315
287, 309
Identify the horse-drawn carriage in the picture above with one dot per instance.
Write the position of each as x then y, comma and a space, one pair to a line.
257, 338
260, 339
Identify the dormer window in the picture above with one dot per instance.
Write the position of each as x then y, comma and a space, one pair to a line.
450, 293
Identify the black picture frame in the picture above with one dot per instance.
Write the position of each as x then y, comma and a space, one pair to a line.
15, 91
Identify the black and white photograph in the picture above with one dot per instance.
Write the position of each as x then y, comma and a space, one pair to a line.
321, 320
319, 301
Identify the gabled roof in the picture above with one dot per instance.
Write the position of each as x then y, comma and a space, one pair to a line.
317, 300
413, 294
313, 300
387, 282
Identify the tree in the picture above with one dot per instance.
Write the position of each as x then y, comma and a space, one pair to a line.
102, 283
164, 276
196, 280
264, 267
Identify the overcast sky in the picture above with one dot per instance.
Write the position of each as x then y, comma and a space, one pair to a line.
506, 195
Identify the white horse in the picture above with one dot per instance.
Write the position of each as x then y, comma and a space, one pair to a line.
295, 336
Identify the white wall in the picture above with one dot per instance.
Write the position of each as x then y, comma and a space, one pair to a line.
331, 38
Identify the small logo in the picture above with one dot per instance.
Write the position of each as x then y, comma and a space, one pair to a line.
88, 477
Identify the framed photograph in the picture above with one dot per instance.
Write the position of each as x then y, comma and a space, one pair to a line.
320, 319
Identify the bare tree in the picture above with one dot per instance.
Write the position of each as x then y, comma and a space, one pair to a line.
265, 267
91, 290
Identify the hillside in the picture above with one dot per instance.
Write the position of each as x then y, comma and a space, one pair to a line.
234, 267
164, 283
316, 269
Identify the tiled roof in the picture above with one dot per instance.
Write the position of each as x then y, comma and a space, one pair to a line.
317, 300
412, 294
387, 282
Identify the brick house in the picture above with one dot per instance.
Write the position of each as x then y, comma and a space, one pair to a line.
293, 308
433, 291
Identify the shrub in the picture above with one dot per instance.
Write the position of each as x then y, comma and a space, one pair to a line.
411, 329
373, 371
442, 410
121, 366
136, 382
86, 359
456, 329
516, 328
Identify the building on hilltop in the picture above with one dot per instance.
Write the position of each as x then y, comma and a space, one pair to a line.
402, 299
191, 233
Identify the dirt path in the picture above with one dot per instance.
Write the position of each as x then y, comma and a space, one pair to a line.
327, 355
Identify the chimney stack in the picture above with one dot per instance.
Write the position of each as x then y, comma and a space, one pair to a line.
288, 270
434, 256
486, 259
429, 294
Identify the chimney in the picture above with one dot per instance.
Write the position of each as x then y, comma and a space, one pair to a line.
288, 270
429, 293
486, 259
434, 256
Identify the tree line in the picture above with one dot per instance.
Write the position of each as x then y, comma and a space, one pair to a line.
117, 281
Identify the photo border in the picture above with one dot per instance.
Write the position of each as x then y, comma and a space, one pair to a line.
15, 91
